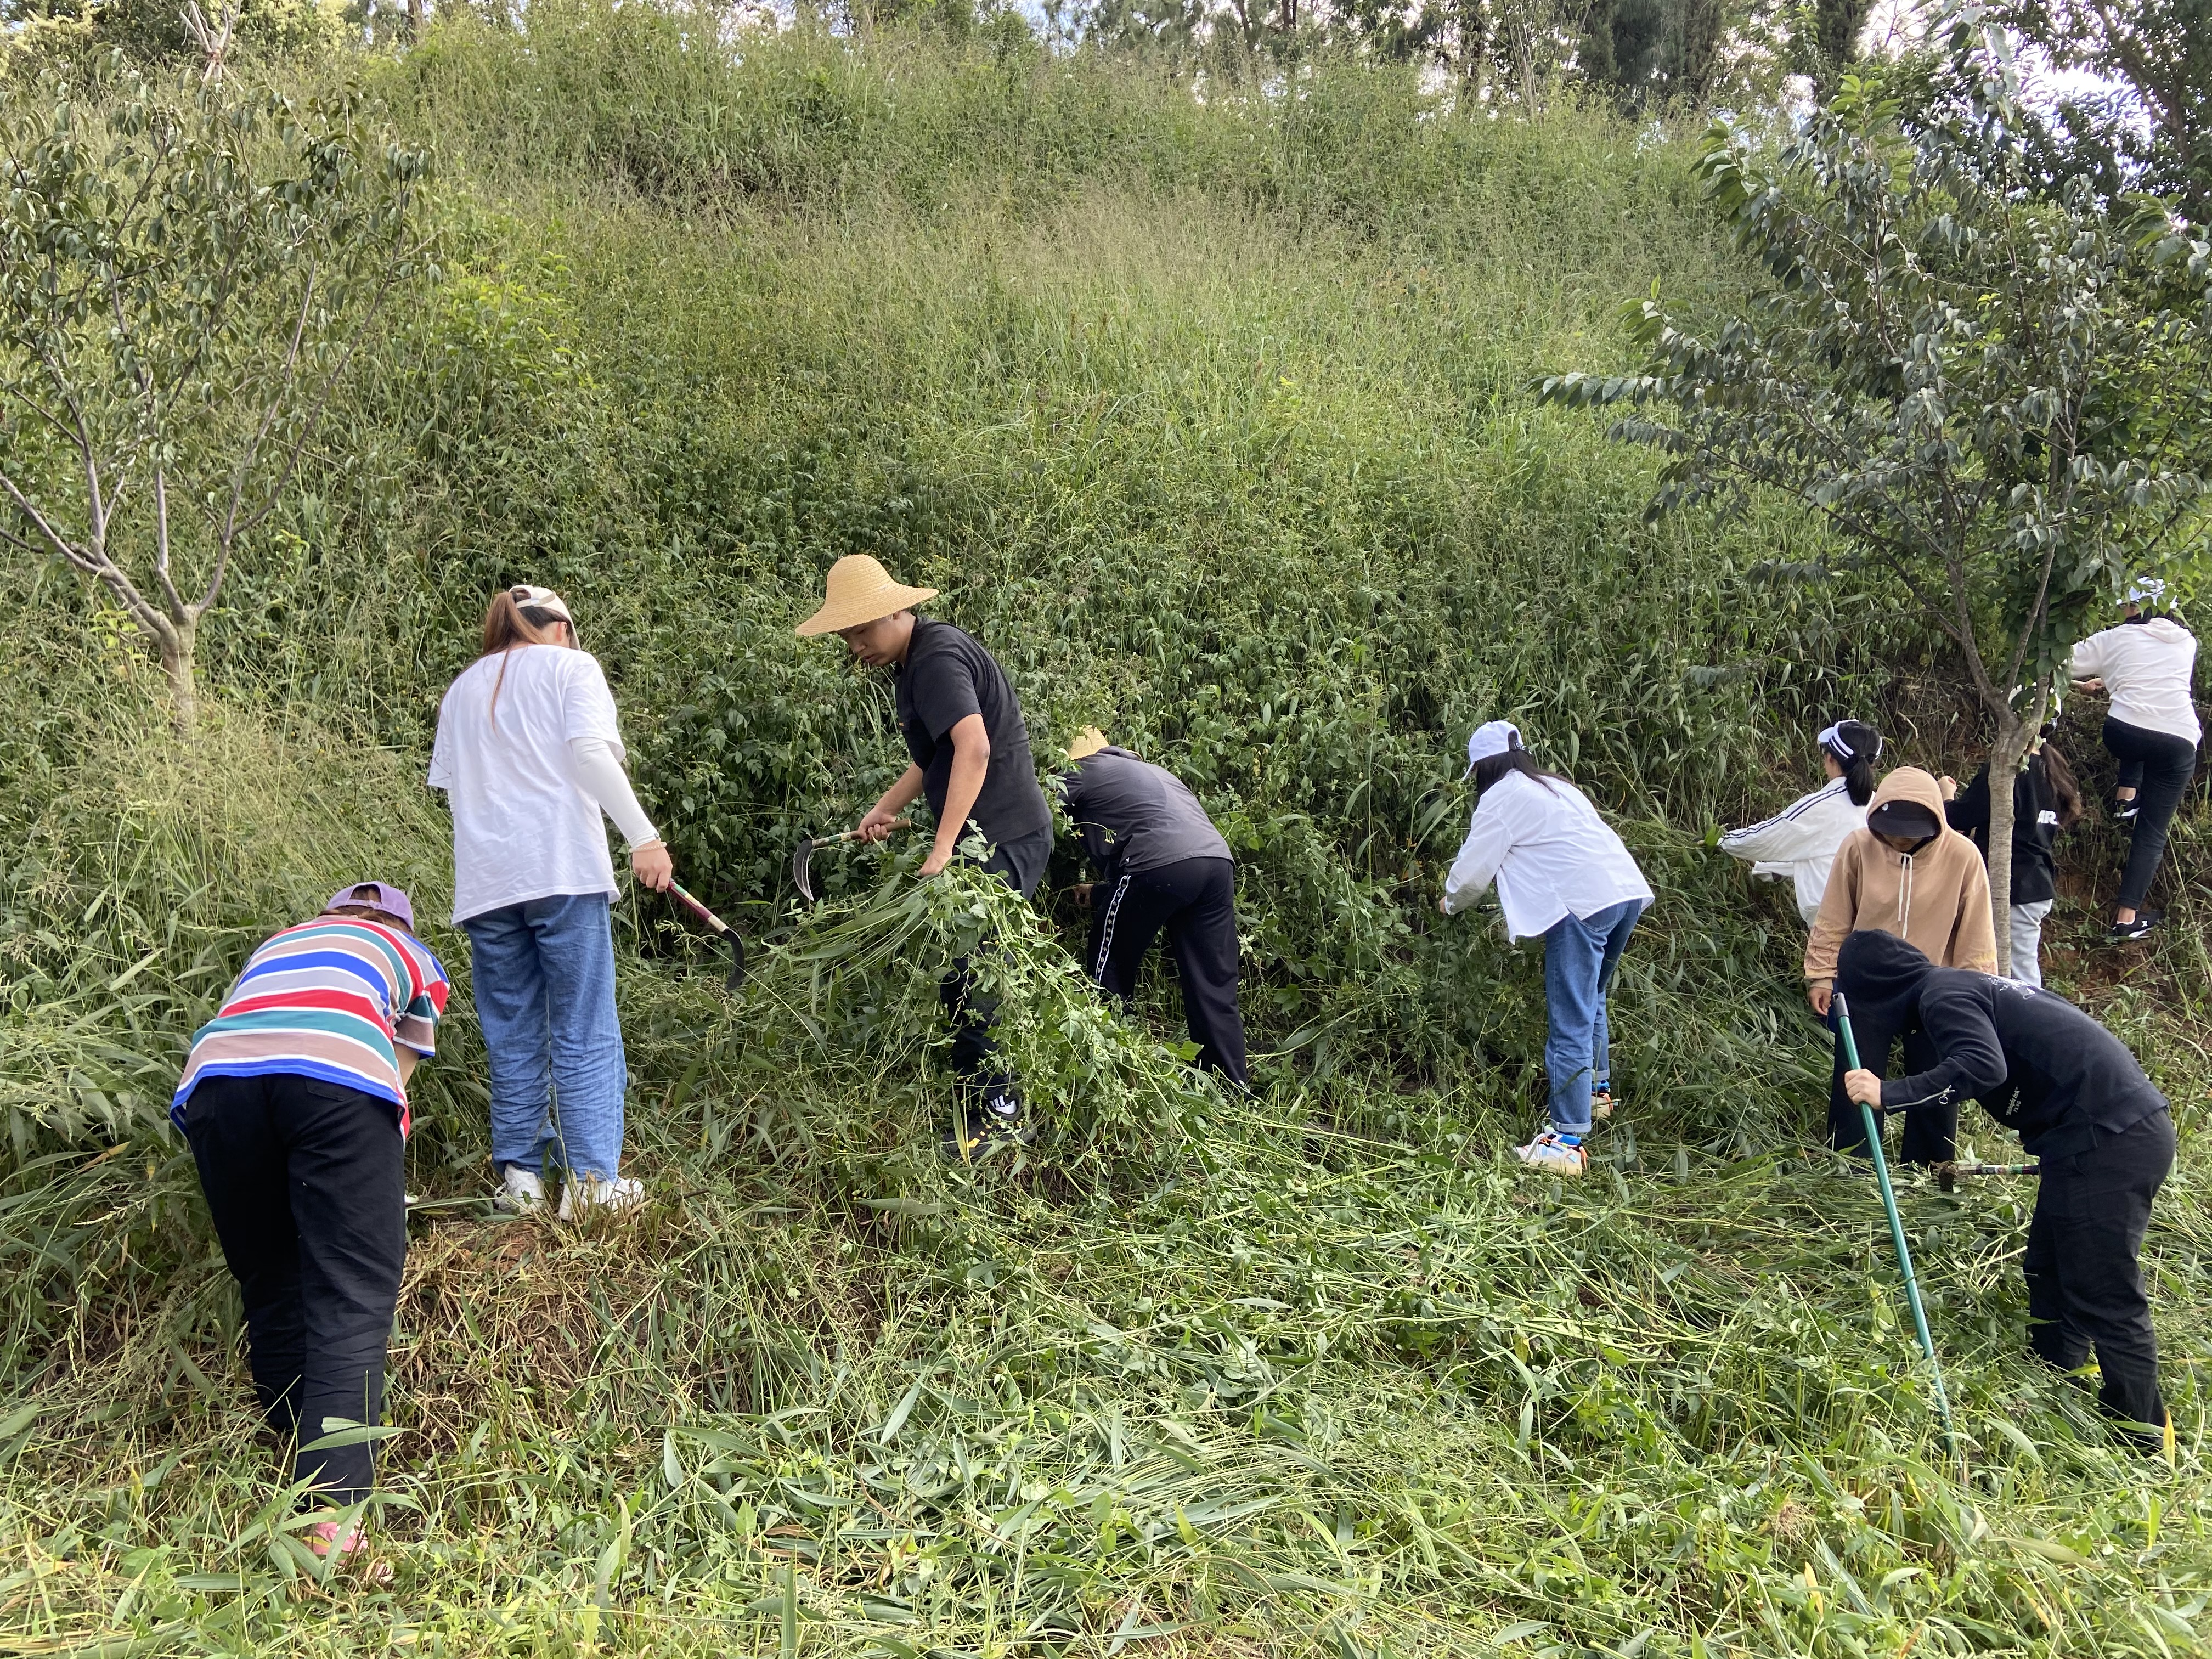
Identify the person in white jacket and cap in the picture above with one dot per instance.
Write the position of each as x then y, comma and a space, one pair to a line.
2145, 665
1561, 873
1799, 843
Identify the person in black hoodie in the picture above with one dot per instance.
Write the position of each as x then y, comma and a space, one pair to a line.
1163, 864
2046, 802
2081, 1104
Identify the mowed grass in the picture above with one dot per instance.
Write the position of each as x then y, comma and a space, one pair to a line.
1212, 417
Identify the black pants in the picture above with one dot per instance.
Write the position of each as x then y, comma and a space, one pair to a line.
2085, 1286
1931, 1132
1195, 900
2158, 766
969, 1010
306, 1183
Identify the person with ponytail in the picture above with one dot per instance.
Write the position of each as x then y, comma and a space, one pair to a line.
1800, 841
1563, 875
530, 756
2046, 803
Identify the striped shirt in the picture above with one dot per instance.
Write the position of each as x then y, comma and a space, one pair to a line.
328, 998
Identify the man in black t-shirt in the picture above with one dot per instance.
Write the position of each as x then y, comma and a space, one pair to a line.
2081, 1102
971, 760
1162, 864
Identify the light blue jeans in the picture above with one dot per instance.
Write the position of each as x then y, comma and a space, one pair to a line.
544, 973
1580, 956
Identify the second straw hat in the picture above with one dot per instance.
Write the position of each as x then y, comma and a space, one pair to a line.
860, 591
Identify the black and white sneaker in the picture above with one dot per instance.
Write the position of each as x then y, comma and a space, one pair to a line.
2124, 807
2122, 932
998, 1118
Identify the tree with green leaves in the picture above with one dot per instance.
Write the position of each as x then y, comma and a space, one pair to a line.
186, 276
2004, 401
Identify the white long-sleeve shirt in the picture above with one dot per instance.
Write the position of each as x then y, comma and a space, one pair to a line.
1550, 853
527, 787
1800, 841
2146, 667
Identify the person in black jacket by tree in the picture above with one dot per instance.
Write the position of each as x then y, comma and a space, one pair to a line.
1163, 864
2081, 1102
2046, 802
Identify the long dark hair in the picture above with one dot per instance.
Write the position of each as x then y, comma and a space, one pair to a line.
1865, 744
2063, 787
1487, 771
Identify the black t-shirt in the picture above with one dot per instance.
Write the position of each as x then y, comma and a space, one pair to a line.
2036, 1062
946, 678
1134, 816
2035, 828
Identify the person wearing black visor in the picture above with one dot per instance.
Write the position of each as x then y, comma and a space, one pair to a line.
1163, 865
971, 760
2082, 1105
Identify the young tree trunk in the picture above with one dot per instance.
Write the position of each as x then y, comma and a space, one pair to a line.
175, 647
2006, 759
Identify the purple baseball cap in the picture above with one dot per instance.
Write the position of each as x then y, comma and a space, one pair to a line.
379, 896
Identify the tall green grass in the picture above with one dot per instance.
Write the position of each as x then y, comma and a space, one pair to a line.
1209, 414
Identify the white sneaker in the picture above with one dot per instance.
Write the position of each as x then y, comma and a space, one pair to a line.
520, 1192
1553, 1156
588, 1192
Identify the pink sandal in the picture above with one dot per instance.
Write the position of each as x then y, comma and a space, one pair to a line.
324, 1541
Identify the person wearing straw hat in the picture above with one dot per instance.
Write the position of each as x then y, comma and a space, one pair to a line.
970, 759
1163, 865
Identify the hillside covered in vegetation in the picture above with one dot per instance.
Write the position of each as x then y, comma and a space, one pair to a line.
1211, 412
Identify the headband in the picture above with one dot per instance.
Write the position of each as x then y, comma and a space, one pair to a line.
1836, 744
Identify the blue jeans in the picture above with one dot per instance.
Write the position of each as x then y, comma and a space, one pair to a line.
544, 973
1580, 956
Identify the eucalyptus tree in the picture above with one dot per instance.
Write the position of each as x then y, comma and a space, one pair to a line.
2005, 401
186, 272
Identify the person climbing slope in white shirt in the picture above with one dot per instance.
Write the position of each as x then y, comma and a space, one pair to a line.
2145, 665
1799, 843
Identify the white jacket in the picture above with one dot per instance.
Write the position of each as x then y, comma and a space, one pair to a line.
1800, 841
2146, 667
1550, 853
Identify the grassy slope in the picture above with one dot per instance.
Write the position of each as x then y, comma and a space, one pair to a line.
1213, 420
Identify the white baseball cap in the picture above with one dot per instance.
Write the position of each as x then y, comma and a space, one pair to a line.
1492, 737
2146, 588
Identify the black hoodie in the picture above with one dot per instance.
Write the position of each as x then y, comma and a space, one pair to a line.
2036, 1062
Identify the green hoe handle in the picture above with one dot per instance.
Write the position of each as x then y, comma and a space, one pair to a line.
1850, 1048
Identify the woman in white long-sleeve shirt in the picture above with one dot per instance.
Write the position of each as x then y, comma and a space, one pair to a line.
530, 755
1800, 841
1563, 873
2145, 665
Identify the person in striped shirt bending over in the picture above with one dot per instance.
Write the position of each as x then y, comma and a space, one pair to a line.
294, 1100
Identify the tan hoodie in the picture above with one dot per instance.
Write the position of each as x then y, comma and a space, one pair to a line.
1936, 899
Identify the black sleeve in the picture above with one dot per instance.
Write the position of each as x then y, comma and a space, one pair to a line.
944, 692
1972, 1060
1095, 841
1970, 813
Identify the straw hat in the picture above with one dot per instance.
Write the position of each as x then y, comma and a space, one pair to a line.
1086, 742
860, 591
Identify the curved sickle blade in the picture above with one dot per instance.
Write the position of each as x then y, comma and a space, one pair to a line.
735, 979
802, 869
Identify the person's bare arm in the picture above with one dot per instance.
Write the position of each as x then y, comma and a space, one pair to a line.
971, 759
409, 1060
895, 800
